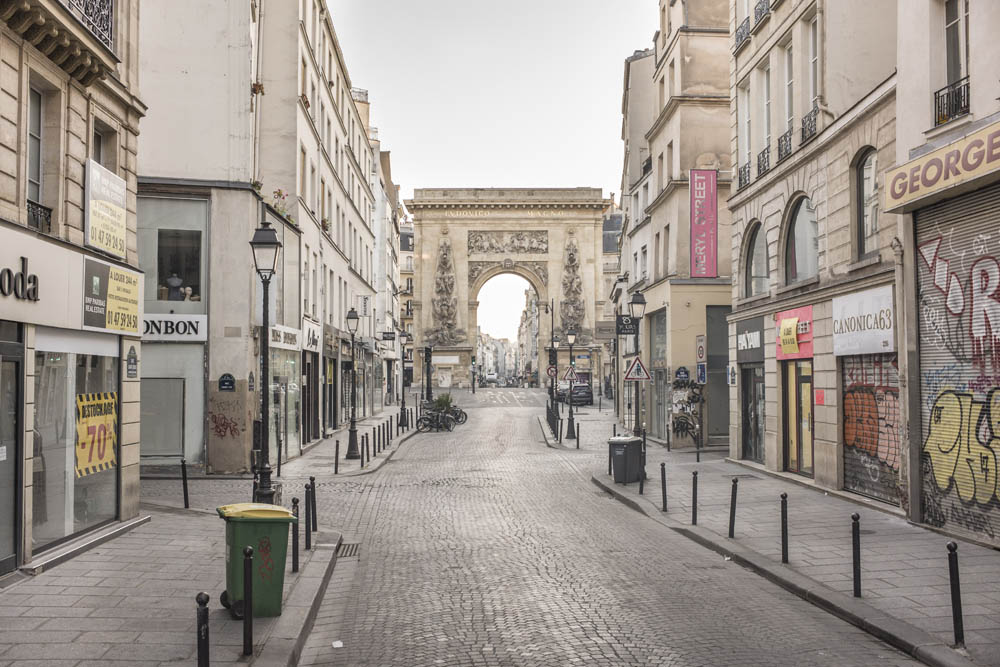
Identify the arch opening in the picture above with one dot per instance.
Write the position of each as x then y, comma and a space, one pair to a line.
506, 333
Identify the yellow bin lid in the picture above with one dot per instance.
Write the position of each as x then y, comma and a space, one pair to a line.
254, 511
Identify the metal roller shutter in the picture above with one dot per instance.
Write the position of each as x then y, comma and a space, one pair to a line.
958, 300
872, 425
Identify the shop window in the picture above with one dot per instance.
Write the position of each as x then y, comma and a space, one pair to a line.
179, 265
75, 448
867, 203
756, 269
802, 244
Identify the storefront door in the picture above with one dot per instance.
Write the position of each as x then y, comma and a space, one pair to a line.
10, 430
662, 390
752, 393
799, 417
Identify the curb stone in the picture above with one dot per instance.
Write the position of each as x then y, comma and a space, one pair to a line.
908, 638
551, 443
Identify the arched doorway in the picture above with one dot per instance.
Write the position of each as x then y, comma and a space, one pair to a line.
507, 319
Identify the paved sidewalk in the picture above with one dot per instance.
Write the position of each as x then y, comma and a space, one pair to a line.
904, 567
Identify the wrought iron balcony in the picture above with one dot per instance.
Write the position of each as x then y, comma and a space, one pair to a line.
98, 16
809, 125
785, 145
744, 175
951, 101
761, 11
763, 161
39, 217
742, 36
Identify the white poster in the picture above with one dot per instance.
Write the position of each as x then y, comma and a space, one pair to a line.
864, 322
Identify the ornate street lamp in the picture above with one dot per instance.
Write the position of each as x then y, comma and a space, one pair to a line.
636, 308
352, 433
403, 421
570, 428
265, 246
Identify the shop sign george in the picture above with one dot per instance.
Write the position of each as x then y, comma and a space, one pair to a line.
973, 156
176, 328
284, 338
96, 432
794, 333
312, 334
704, 223
111, 298
750, 340
864, 322
104, 210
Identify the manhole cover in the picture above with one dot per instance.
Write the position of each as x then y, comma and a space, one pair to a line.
347, 550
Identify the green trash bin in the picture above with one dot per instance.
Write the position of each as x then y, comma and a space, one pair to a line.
265, 528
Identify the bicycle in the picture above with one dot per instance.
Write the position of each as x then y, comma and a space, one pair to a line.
435, 420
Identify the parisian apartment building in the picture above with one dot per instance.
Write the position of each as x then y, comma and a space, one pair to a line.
675, 182
286, 140
70, 280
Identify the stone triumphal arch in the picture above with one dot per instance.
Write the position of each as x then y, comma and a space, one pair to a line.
463, 237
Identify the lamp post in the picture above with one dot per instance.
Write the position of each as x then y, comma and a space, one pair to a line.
570, 428
403, 420
352, 433
636, 308
553, 358
473, 375
429, 396
265, 246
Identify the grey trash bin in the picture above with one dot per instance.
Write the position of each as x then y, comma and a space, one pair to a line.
626, 458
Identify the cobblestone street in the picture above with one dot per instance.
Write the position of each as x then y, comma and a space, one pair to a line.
485, 547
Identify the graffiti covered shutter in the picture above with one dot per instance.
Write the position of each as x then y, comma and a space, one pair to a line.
958, 296
872, 425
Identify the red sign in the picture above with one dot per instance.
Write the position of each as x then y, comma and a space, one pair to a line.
704, 223
802, 321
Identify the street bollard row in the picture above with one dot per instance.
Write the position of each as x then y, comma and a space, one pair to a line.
202, 625
308, 517
732, 509
184, 478
248, 600
295, 535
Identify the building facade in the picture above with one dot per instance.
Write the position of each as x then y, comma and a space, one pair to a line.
815, 375
406, 297
70, 284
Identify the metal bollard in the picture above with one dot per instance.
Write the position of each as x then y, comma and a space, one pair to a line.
642, 478
956, 596
295, 536
609, 460
184, 481
732, 509
784, 527
578, 436
856, 551
312, 496
560, 430
202, 621
336, 458
368, 453
614, 430
694, 497
309, 524
248, 600
663, 484
374, 442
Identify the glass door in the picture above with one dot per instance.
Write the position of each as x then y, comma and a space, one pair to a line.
10, 430
753, 412
798, 417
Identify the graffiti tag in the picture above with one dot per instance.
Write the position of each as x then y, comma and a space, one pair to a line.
961, 444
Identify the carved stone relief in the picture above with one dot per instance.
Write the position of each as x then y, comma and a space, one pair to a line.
444, 303
540, 269
572, 308
509, 242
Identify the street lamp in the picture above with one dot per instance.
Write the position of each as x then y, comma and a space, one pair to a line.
473, 375
553, 358
427, 372
636, 308
570, 430
403, 421
352, 433
265, 246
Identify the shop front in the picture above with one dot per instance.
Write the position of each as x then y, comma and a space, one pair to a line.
286, 393
794, 352
750, 360
864, 342
660, 372
346, 377
312, 336
330, 379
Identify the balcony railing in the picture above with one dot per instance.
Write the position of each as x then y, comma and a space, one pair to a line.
809, 125
744, 176
761, 11
39, 217
785, 145
98, 16
742, 36
763, 161
951, 101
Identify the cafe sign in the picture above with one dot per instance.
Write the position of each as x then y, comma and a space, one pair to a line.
864, 322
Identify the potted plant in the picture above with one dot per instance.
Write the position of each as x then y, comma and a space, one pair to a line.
257, 88
326, 225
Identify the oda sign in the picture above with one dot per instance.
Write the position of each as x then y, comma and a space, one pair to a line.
626, 325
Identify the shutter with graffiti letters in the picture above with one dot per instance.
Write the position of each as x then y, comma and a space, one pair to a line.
872, 425
958, 302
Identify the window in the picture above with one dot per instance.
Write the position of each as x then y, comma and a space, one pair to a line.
659, 173
669, 166
302, 172
34, 146
743, 120
670, 80
867, 189
956, 32
644, 263
635, 266
305, 78
656, 256
766, 92
315, 284
756, 272
802, 245
813, 64
178, 265
789, 88
663, 93
305, 279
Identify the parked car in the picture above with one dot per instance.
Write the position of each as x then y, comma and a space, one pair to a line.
561, 388
581, 394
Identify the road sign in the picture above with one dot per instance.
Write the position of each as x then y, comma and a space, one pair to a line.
702, 373
570, 375
626, 325
637, 372
551, 371
699, 344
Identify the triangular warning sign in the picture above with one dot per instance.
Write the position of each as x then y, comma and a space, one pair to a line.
571, 375
637, 372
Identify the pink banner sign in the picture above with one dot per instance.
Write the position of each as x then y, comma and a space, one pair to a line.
704, 223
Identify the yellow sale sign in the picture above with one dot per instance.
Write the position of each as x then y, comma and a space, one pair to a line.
790, 335
96, 432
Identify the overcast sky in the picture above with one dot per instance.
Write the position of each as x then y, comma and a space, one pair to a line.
518, 93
